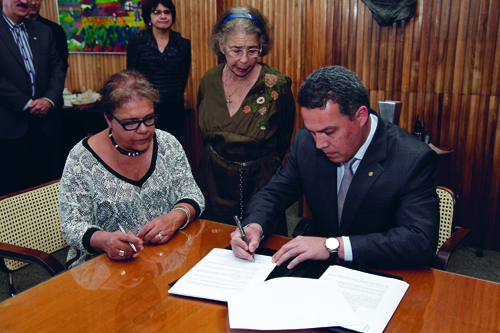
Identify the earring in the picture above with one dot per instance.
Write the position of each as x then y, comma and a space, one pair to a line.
149, 23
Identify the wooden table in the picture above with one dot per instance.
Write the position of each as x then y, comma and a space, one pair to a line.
110, 296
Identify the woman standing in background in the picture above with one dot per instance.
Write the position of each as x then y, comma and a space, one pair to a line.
164, 57
246, 115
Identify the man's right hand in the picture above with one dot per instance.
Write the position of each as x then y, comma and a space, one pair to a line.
240, 248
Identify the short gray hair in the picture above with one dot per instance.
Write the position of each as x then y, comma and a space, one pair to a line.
124, 87
221, 31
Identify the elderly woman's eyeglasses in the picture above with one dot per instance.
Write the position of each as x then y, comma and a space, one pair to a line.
133, 125
238, 53
159, 12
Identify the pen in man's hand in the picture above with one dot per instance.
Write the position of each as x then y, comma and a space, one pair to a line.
243, 235
131, 244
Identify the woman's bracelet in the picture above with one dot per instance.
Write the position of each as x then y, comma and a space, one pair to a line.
188, 214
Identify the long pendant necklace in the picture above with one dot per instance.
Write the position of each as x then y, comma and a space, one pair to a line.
228, 100
121, 150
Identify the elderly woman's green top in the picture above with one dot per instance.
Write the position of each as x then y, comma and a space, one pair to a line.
257, 135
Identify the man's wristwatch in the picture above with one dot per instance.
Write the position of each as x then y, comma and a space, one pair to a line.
332, 245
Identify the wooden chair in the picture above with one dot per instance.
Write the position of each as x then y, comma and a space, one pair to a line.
30, 230
450, 238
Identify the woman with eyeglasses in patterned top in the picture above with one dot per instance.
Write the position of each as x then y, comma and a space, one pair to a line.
130, 175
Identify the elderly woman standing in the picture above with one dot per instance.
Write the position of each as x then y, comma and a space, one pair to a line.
164, 57
128, 174
246, 115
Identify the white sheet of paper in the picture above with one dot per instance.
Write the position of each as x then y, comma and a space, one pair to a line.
289, 303
373, 298
220, 273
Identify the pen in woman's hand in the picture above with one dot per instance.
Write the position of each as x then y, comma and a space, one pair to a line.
131, 244
244, 235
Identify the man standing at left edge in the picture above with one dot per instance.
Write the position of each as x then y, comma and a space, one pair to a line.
31, 83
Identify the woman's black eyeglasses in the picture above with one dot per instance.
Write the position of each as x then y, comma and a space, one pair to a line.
133, 125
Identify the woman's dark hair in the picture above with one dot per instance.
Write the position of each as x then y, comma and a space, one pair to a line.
149, 5
334, 84
221, 31
124, 87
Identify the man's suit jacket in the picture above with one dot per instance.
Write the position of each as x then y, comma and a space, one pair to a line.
15, 86
60, 38
391, 211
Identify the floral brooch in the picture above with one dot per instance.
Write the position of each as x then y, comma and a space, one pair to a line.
267, 92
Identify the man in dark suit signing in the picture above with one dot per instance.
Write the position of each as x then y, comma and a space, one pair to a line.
31, 84
370, 186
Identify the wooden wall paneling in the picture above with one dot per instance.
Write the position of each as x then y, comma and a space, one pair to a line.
360, 23
453, 12
417, 41
495, 70
374, 57
432, 41
445, 121
479, 48
465, 152
49, 11
330, 47
493, 212
351, 51
441, 37
433, 102
195, 19
471, 51
365, 45
461, 47
492, 26
383, 46
483, 166
391, 62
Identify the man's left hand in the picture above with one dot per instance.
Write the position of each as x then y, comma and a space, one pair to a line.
303, 248
39, 107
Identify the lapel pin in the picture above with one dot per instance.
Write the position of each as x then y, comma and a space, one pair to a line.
34, 38
370, 173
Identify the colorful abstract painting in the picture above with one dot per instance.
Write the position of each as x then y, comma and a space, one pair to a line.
100, 26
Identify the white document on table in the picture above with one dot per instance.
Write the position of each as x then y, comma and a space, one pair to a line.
290, 303
373, 298
220, 273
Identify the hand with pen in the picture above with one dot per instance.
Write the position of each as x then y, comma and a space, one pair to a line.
121, 245
240, 248
118, 245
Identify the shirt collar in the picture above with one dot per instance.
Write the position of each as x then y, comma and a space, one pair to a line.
11, 24
361, 152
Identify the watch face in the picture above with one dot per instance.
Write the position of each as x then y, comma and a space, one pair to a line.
332, 244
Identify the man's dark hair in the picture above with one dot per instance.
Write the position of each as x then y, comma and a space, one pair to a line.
334, 84
149, 5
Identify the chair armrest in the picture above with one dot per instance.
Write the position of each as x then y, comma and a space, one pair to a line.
443, 256
25, 254
303, 225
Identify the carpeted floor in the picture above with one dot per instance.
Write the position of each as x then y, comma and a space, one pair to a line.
463, 261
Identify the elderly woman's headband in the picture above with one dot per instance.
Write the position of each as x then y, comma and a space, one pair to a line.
237, 15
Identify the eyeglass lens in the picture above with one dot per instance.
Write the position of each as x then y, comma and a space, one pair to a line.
159, 12
133, 125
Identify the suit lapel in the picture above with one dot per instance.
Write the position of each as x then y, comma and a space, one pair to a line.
369, 170
9, 41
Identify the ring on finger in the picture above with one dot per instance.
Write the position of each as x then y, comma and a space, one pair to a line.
160, 236
121, 253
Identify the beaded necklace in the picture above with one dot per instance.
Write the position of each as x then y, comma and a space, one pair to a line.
123, 151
